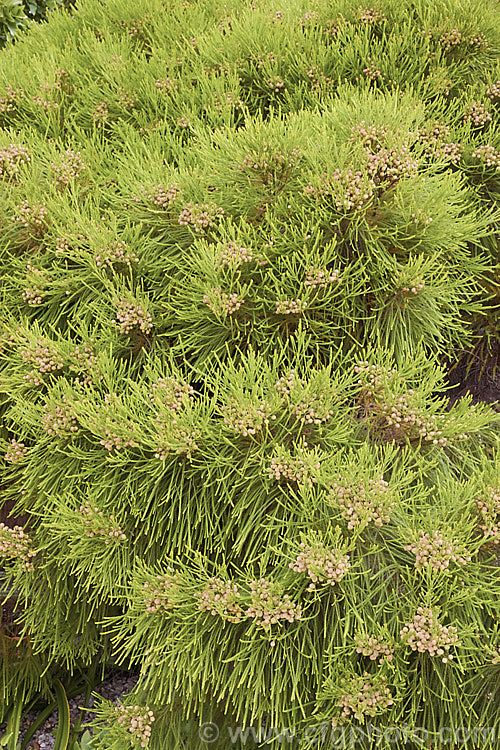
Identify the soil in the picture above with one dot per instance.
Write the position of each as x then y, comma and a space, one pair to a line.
477, 373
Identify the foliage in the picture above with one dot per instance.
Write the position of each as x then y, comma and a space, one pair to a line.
17, 15
235, 242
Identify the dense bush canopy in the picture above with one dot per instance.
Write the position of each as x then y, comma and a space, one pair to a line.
236, 244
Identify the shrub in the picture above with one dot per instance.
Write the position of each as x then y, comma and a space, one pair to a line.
236, 243
17, 15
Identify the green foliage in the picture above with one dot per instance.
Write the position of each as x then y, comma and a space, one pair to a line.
235, 243
17, 15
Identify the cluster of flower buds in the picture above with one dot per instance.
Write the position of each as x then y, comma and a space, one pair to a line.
286, 384
158, 593
363, 696
374, 377
477, 114
276, 83
493, 91
371, 136
62, 80
114, 441
371, 72
269, 604
319, 278
297, 468
45, 99
166, 85
115, 252
33, 296
127, 99
320, 81
96, 524
228, 102
232, 255
489, 155
137, 721
417, 286
419, 217
362, 503
449, 39
435, 551
322, 565
43, 359
32, 217
100, 114
171, 392
488, 506
270, 165
10, 99
15, 452
172, 438
496, 656
12, 158
374, 646
131, 316
247, 419
200, 216
221, 598
59, 420
369, 16
69, 168
313, 409
391, 165
406, 419
222, 303
425, 633
352, 190
437, 145
160, 196
84, 362
290, 307
17, 544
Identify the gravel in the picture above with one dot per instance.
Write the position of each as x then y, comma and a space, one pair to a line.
112, 688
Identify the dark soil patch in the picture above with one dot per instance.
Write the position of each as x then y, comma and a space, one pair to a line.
476, 372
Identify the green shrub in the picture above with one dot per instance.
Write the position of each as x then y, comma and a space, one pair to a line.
17, 15
236, 244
